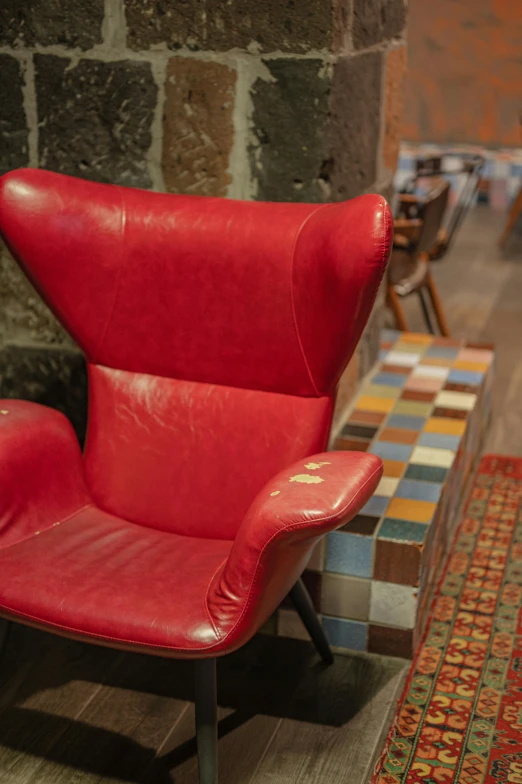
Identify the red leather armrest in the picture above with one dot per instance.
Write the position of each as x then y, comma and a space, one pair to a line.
276, 538
41, 470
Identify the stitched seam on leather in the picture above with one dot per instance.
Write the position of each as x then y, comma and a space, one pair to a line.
207, 608
44, 530
293, 527
123, 224
292, 299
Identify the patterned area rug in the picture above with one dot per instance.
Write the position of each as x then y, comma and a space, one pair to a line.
459, 719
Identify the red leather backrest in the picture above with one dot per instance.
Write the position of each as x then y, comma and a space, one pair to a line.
215, 332
245, 294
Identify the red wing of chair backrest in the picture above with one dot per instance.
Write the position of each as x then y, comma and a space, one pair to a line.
215, 332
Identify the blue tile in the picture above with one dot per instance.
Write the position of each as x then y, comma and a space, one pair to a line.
402, 530
418, 491
383, 353
439, 441
465, 377
376, 506
426, 473
390, 379
349, 554
406, 421
443, 352
387, 450
346, 634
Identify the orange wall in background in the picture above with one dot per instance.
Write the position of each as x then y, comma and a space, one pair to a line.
464, 80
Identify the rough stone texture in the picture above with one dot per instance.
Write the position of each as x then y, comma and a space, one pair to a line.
13, 124
394, 106
377, 20
198, 132
75, 23
273, 25
290, 121
54, 377
23, 315
354, 127
94, 118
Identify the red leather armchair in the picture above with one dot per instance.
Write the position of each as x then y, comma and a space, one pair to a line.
215, 332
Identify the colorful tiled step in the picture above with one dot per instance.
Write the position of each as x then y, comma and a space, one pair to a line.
423, 410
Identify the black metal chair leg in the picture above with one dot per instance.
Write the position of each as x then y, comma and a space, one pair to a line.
4, 633
206, 720
426, 312
304, 606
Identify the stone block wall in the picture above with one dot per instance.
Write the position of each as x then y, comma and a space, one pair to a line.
257, 99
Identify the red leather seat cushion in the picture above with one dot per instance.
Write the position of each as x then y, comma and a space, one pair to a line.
97, 575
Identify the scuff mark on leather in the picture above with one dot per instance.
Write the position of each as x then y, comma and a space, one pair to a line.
306, 479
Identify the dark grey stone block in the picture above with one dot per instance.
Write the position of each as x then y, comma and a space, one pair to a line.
377, 20
51, 376
47, 22
13, 124
290, 121
95, 118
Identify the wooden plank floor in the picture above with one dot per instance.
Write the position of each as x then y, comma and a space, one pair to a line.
79, 714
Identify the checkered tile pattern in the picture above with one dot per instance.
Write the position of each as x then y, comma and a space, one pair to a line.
423, 410
501, 178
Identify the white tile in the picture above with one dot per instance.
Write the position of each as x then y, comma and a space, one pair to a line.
427, 455
387, 486
402, 358
428, 371
393, 605
464, 401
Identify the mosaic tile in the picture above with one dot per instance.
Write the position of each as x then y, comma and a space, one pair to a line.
474, 367
422, 491
426, 473
443, 352
440, 441
411, 408
347, 597
346, 634
389, 641
451, 386
473, 344
430, 371
375, 506
461, 400
424, 384
408, 509
397, 562
393, 468
380, 390
426, 455
402, 530
364, 525
366, 417
393, 604
389, 451
452, 413
398, 435
375, 404
410, 348
395, 370
349, 554
415, 337
389, 379
358, 431
445, 426
387, 486
390, 335
447, 342
465, 377
476, 355
418, 395
352, 444
405, 421
402, 358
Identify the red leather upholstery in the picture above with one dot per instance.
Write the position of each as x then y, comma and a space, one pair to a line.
215, 333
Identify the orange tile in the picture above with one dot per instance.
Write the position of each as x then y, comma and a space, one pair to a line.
407, 509
393, 468
415, 337
438, 361
421, 397
449, 427
478, 367
398, 436
380, 404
